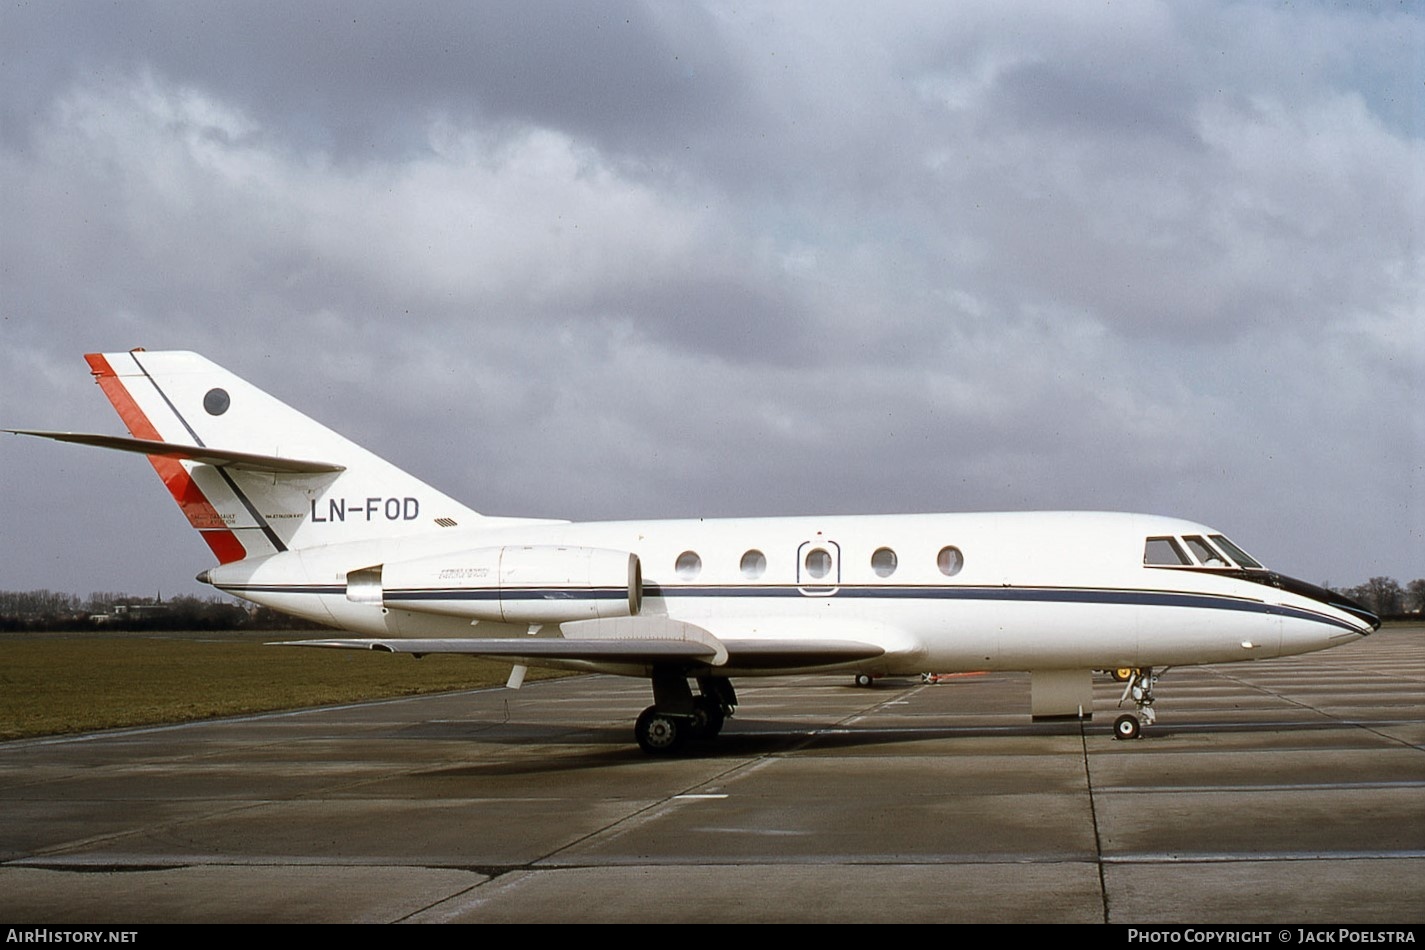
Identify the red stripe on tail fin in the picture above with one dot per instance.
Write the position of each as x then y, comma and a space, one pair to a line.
194, 505
226, 547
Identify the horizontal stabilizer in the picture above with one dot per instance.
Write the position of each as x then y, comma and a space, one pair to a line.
219, 458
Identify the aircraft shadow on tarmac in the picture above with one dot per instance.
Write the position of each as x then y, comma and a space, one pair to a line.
555, 750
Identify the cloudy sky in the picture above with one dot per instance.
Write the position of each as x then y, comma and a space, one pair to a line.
622, 260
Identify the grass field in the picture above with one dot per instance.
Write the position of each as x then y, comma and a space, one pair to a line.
79, 683
63, 683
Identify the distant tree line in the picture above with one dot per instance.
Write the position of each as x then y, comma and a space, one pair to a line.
1387, 598
47, 610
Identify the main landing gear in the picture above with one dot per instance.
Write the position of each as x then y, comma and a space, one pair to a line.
678, 716
1139, 687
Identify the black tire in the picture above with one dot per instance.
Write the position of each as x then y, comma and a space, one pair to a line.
707, 720
1127, 727
1123, 674
864, 679
659, 733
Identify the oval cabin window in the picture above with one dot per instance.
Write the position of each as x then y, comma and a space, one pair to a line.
688, 565
754, 564
818, 563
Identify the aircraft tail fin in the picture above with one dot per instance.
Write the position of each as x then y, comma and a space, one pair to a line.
253, 475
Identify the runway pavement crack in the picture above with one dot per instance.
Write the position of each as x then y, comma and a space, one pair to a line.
1093, 817
634, 816
491, 874
742, 767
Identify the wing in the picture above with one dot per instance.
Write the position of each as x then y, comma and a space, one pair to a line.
633, 640
531, 649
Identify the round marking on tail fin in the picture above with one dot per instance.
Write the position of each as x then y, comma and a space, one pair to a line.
216, 402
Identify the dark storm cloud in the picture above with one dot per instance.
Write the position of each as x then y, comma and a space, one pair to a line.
362, 79
591, 260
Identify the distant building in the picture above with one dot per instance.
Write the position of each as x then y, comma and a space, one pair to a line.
120, 612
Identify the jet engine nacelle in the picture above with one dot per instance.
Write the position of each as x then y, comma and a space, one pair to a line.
510, 584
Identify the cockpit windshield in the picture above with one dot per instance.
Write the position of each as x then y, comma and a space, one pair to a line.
1196, 551
1165, 552
1206, 555
1236, 553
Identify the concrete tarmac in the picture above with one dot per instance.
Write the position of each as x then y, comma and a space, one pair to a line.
1288, 791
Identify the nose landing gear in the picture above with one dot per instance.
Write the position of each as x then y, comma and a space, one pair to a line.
1127, 727
1139, 687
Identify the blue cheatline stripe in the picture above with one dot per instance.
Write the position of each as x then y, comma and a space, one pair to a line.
1046, 595
283, 588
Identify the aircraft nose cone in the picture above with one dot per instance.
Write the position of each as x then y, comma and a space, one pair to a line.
1358, 611
1337, 601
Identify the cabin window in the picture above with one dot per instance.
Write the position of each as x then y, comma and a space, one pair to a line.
1164, 552
1204, 552
883, 562
818, 563
754, 564
950, 560
688, 565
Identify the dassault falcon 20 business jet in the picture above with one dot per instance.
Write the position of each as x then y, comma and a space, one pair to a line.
307, 522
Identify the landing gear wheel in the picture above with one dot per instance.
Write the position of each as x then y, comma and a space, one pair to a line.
707, 720
659, 733
1123, 674
1139, 688
863, 679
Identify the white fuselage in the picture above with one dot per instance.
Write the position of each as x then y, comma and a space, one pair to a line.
1023, 590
